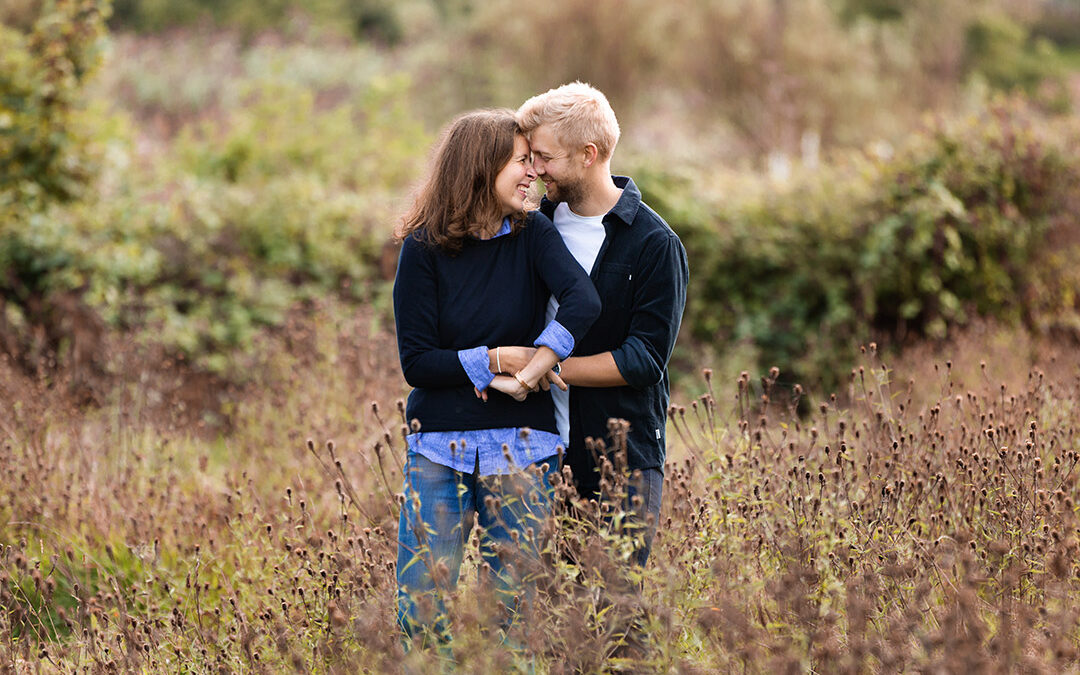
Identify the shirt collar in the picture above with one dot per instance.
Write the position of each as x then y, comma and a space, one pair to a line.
503, 229
625, 209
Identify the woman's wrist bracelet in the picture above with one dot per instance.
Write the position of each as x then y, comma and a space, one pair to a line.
519, 378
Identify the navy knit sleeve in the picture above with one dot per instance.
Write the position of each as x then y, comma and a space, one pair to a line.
657, 312
416, 314
579, 305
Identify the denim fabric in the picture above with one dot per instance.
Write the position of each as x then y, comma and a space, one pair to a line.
436, 519
644, 517
477, 363
481, 451
557, 338
477, 366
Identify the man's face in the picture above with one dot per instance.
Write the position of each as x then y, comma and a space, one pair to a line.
557, 166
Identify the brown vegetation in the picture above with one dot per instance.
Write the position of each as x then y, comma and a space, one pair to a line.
922, 520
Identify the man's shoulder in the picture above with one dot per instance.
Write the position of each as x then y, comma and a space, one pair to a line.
648, 231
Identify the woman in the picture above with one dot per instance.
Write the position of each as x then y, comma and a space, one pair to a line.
476, 270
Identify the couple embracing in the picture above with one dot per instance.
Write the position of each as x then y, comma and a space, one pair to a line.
523, 332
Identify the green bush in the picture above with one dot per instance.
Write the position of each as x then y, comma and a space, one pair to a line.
46, 158
369, 19
245, 217
1003, 52
961, 223
196, 248
43, 158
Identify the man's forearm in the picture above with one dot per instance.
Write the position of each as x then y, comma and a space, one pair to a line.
598, 370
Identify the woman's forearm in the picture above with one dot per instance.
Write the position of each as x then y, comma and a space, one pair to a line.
543, 360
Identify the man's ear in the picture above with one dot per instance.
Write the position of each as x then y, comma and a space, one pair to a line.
591, 154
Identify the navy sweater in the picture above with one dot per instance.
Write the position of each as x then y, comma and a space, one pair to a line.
494, 292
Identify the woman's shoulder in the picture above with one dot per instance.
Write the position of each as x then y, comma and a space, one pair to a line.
538, 226
416, 247
538, 219
418, 241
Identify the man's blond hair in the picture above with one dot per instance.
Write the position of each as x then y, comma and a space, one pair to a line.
578, 113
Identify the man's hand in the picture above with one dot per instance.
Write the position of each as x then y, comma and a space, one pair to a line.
552, 378
509, 386
509, 360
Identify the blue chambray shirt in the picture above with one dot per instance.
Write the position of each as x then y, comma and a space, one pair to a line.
481, 451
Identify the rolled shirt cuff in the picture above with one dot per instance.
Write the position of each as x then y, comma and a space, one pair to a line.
557, 338
477, 366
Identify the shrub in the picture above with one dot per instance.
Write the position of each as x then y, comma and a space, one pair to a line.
197, 248
958, 224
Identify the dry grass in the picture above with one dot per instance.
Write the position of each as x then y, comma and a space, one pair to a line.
924, 520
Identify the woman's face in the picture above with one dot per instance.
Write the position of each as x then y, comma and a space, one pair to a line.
513, 181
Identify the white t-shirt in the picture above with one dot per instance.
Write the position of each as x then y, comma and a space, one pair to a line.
583, 235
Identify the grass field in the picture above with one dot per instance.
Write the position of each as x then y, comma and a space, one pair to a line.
923, 519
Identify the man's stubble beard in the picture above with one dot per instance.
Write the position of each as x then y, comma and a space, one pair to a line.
572, 192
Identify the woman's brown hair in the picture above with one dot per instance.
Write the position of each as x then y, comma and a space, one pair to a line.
458, 196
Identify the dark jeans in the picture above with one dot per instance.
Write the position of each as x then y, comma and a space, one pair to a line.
435, 523
646, 516
648, 484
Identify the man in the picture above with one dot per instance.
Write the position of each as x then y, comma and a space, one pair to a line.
639, 268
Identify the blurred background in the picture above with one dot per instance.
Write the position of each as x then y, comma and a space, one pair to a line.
186, 184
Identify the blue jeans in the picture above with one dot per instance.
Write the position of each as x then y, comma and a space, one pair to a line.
435, 523
644, 517
641, 519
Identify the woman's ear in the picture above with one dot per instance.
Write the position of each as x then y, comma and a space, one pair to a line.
591, 153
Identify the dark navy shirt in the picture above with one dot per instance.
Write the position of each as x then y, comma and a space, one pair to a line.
641, 275
491, 293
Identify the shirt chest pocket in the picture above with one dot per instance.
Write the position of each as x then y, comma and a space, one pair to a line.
614, 284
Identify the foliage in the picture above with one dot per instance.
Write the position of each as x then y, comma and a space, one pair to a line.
237, 181
377, 20
930, 525
249, 216
741, 78
43, 159
1003, 52
46, 156
965, 221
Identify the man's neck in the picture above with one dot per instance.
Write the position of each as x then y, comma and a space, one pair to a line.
600, 197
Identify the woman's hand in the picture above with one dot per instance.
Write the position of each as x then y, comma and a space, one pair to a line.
509, 386
509, 360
